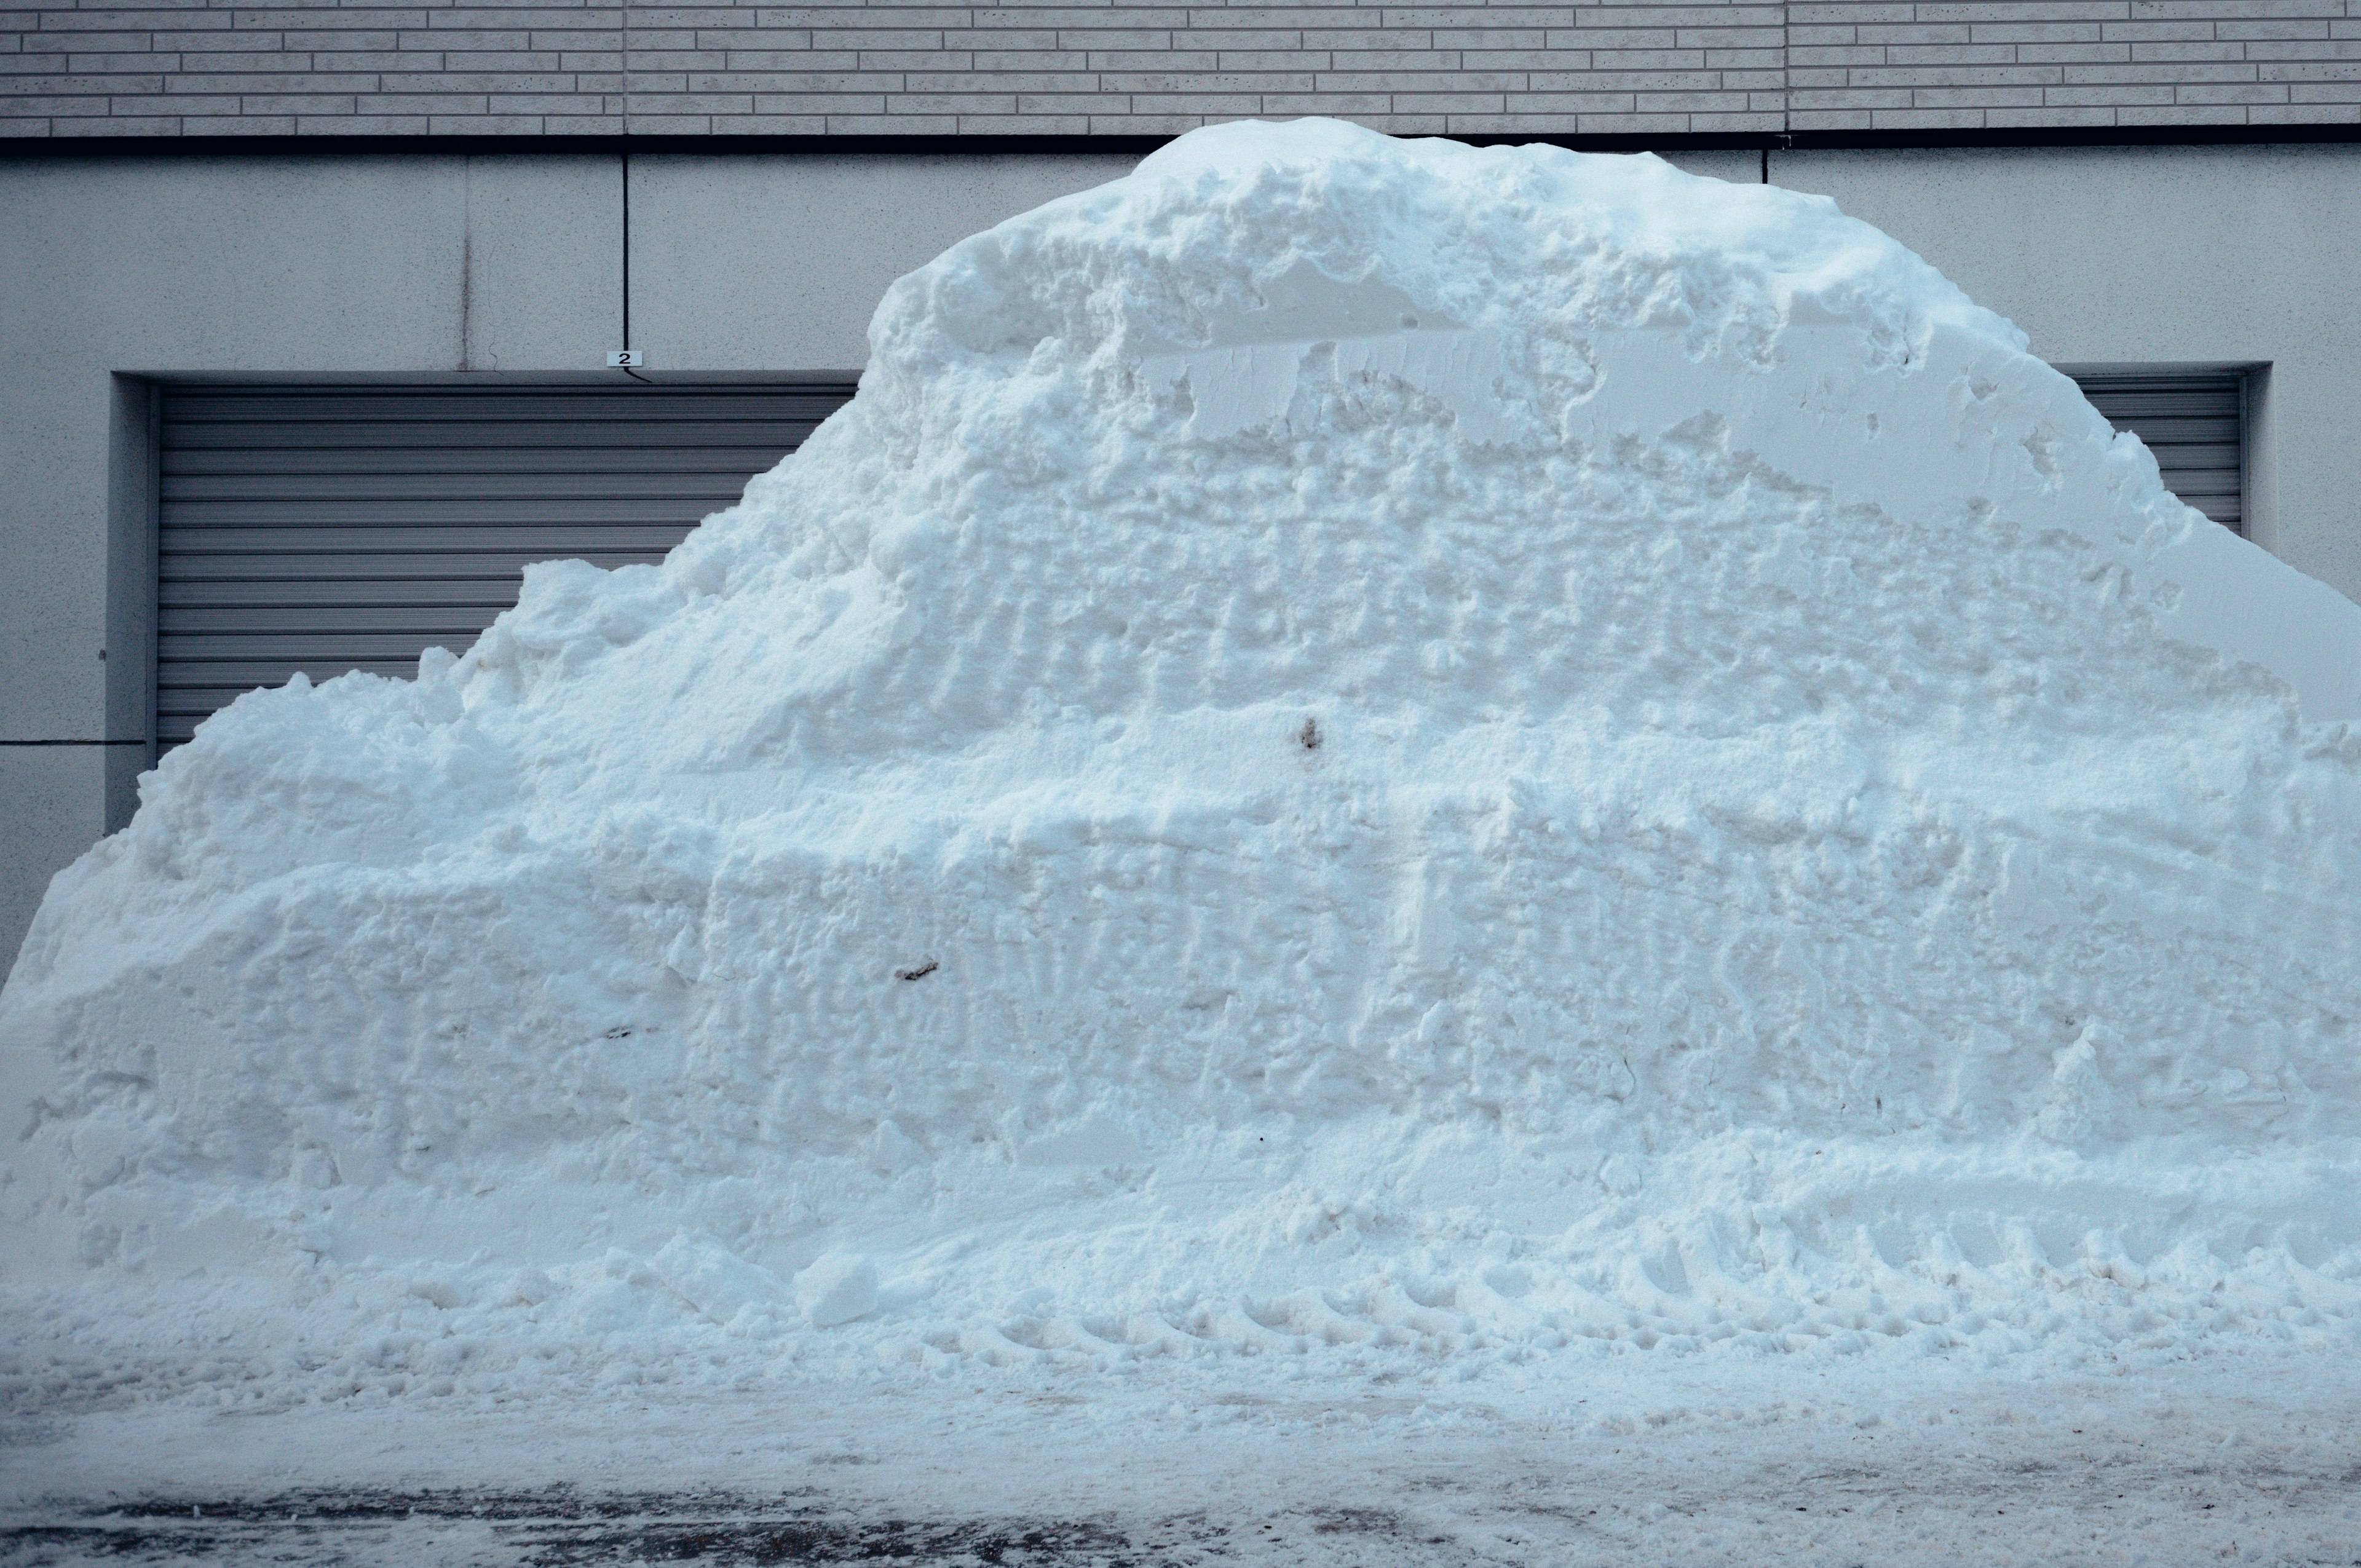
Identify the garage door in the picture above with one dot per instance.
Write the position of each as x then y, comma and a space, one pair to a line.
2196, 427
327, 529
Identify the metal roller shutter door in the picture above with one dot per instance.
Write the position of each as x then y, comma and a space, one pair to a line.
2196, 425
336, 528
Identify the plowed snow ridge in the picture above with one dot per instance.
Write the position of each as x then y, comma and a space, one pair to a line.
1377, 754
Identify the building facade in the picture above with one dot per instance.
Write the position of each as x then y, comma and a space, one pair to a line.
310, 305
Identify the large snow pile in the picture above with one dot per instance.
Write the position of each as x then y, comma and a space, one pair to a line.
1355, 749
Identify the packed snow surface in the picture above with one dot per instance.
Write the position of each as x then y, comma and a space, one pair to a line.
1378, 755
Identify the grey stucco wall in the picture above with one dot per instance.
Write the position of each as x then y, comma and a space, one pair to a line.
2105, 256
417, 265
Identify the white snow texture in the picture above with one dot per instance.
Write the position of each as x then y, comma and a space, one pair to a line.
1361, 752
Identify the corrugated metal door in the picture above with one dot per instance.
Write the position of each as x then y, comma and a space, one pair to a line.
2196, 425
334, 528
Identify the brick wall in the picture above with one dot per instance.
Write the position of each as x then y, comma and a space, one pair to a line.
167, 68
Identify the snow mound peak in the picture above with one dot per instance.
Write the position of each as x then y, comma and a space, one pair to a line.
1505, 736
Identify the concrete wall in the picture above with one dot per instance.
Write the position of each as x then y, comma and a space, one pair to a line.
113, 269
2189, 255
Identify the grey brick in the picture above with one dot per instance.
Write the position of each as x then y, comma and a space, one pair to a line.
946, 61
1647, 59
2316, 71
1928, 119
90, 43
54, 86
1423, 80
1389, 39
691, 104
1292, 59
1514, 125
1856, 16
1448, 103
1566, 103
2272, 28
1210, 82
822, 104
1492, 37
1851, 98
951, 103
484, 125
1134, 124
2183, 114
81, 64
472, 82
835, 82
1022, 124
1918, 33
320, 37
1965, 75
2057, 118
1085, 104
1612, 38
1233, 103
1151, 60
1689, 102
1950, 54
2155, 54
2320, 49
1973, 11
545, 104
419, 104
2341, 113
2221, 10
1538, 60
2034, 32
1975, 97
2072, 54
1633, 124
454, 38
2248, 92
2178, 72
892, 125
1830, 120
1006, 81
297, 104
125, 122
238, 125
2156, 32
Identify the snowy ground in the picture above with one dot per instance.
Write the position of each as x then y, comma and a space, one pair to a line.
2249, 1455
